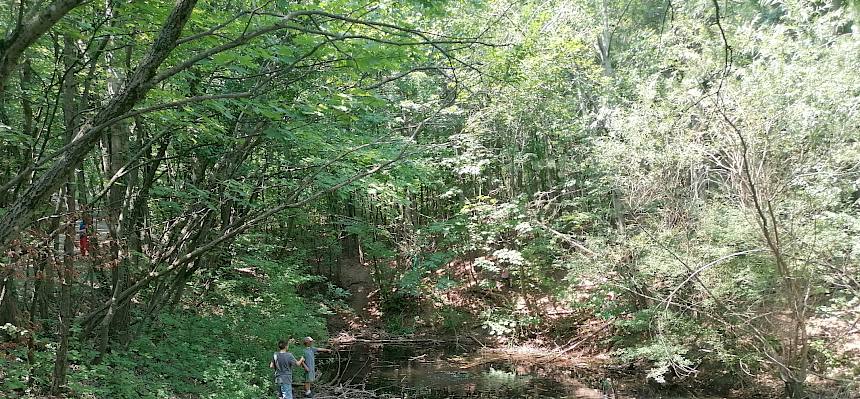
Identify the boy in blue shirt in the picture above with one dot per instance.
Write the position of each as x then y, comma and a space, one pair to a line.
308, 363
283, 362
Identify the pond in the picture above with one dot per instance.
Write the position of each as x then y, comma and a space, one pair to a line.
431, 373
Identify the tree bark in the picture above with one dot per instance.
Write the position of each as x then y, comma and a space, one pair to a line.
8, 298
43, 288
69, 93
116, 152
61, 362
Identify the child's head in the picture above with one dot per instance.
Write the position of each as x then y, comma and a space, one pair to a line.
282, 344
308, 341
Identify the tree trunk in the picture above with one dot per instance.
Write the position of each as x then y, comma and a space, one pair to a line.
43, 288
61, 362
69, 94
116, 153
8, 298
794, 283
795, 389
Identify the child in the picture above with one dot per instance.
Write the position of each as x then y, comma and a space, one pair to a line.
82, 233
283, 362
308, 363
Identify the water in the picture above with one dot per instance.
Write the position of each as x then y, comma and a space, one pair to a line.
430, 373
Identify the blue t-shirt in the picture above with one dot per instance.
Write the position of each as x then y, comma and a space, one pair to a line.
284, 363
310, 352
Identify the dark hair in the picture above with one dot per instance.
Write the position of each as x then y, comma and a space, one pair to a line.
282, 344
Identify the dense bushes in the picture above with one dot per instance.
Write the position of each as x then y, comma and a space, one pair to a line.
215, 344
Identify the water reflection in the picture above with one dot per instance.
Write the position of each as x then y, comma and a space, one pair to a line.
401, 372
